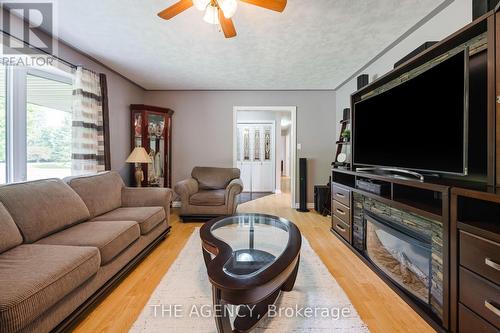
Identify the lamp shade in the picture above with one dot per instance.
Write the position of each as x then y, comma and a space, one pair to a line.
138, 155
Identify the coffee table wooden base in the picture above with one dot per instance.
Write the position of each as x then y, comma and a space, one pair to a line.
246, 320
254, 274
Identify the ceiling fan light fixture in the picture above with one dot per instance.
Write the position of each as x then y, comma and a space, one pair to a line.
228, 7
201, 4
211, 15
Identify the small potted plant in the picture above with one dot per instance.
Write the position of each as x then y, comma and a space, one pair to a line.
346, 135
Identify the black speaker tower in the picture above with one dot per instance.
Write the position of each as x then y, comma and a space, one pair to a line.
303, 185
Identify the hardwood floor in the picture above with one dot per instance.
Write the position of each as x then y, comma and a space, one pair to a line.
379, 307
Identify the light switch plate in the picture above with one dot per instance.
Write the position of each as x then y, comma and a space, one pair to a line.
299, 146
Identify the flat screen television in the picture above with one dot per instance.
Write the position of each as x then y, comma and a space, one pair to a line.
420, 124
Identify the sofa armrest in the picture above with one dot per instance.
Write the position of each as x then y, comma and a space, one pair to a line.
186, 188
147, 196
234, 188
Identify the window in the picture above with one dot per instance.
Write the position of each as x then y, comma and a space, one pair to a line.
35, 127
48, 128
3, 128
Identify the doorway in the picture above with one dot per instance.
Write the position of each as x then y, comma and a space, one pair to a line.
264, 146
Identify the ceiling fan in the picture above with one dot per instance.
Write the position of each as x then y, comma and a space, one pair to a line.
219, 11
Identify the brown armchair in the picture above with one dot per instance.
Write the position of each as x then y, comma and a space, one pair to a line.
210, 192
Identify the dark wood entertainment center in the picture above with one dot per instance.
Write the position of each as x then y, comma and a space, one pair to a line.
454, 220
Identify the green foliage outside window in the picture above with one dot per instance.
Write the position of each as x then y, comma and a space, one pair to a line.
49, 135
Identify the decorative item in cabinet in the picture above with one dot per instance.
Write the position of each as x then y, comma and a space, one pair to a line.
152, 129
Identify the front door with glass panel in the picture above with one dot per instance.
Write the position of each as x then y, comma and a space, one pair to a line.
255, 156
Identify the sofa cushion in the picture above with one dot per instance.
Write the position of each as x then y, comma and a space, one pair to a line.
214, 178
101, 192
110, 238
208, 198
35, 277
147, 217
9, 234
42, 207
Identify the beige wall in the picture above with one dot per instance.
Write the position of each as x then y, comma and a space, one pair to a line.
203, 120
203, 125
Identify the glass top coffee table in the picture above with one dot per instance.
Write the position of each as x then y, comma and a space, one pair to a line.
250, 259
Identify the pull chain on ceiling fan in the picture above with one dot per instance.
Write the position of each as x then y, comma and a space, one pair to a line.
219, 11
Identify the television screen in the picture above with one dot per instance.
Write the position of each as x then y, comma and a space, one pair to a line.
419, 124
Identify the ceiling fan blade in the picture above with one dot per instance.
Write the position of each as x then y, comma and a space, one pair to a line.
276, 5
227, 26
175, 9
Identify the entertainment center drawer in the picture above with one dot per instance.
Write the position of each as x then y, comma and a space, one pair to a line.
342, 212
341, 228
341, 195
480, 255
480, 295
469, 322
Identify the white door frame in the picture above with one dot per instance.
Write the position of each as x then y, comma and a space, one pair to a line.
293, 138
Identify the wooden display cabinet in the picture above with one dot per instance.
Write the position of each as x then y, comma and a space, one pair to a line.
151, 128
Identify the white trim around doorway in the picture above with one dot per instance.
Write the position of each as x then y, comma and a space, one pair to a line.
293, 139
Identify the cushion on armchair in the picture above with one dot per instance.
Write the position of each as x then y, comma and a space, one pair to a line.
210, 178
208, 198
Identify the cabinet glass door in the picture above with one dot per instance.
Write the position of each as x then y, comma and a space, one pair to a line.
156, 147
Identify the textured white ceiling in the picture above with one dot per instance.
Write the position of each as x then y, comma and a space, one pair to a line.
313, 44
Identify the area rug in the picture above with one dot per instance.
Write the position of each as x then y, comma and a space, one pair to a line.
182, 302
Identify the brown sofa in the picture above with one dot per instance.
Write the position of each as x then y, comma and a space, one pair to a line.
210, 192
62, 245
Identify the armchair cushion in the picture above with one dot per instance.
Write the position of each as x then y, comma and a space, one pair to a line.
214, 178
210, 192
208, 198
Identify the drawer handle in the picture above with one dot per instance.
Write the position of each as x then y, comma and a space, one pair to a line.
341, 228
340, 212
492, 307
492, 264
340, 195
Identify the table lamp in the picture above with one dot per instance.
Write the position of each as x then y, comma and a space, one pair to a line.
138, 156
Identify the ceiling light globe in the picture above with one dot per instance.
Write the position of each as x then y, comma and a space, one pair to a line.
211, 15
228, 7
201, 4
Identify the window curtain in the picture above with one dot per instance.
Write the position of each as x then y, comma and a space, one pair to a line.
90, 151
